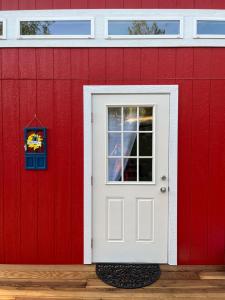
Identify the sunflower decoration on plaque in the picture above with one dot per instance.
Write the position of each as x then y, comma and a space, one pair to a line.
35, 148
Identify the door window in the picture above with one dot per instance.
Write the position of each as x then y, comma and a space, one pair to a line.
130, 144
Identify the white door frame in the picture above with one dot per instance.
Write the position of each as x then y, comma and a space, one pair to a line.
172, 91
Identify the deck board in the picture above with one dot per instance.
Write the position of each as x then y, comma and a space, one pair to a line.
23, 282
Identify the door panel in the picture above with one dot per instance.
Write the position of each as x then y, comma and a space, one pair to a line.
130, 155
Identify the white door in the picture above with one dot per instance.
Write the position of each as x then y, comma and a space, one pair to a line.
130, 178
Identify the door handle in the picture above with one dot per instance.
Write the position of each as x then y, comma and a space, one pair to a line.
163, 189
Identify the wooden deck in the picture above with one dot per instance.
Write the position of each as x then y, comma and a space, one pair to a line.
80, 282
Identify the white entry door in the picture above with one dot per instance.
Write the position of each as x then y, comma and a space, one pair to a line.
130, 178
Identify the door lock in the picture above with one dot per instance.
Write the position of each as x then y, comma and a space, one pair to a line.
163, 177
163, 189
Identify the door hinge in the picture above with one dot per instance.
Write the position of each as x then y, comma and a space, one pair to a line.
91, 243
91, 180
92, 117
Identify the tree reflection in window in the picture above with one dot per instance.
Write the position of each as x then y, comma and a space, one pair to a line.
142, 28
55, 27
1, 28
35, 27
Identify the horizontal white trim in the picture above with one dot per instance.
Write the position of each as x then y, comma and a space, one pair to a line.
3, 36
89, 91
196, 35
150, 36
98, 38
80, 36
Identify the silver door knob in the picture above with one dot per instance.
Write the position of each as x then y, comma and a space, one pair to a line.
163, 189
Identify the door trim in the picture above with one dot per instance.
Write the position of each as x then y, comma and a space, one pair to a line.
172, 91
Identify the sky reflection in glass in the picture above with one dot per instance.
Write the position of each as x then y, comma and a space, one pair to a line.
143, 27
210, 27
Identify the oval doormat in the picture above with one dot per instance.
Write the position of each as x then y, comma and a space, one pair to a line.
128, 276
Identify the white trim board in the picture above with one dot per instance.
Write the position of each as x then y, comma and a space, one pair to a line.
89, 91
187, 38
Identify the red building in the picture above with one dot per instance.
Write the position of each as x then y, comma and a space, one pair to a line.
113, 182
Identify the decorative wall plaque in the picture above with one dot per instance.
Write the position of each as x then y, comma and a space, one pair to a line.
35, 139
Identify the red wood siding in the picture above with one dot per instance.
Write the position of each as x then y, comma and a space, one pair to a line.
41, 213
64, 4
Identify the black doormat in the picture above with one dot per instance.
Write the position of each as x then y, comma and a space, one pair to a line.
128, 276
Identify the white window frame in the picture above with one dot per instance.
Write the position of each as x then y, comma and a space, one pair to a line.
142, 36
172, 91
4, 31
89, 36
206, 36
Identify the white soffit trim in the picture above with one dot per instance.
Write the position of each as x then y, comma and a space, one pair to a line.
187, 37
89, 91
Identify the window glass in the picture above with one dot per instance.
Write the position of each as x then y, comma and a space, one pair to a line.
1, 28
73, 27
210, 27
130, 155
143, 27
114, 119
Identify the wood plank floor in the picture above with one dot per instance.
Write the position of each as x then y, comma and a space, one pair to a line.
22, 282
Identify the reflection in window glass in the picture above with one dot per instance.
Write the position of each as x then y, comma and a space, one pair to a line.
145, 118
145, 144
145, 169
144, 27
114, 144
130, 169
1, 28
73, 27
114, 118
210, 27
114, 169
129, 144
130, 118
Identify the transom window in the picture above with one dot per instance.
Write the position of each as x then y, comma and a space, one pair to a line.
56, 28
130, 144
211, 27
141, 28
2, 29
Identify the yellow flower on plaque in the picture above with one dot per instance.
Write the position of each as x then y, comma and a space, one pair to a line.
34, 141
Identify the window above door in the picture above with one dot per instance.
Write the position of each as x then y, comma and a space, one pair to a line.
143, 27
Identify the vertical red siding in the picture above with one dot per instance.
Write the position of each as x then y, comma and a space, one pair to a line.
10, 5
203, 3
1, 177
44, 4
47, 227
79, 4
184, 178
216, 203
199, 170
29, 200
132, 64
93, 4
11, 201
77, 171
59, 4
114, 62
27, 4
114, 4
46, 182
63, 180
185, 4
